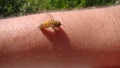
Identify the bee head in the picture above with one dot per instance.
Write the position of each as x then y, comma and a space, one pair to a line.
58, 24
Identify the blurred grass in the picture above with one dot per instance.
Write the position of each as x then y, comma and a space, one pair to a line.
22, 7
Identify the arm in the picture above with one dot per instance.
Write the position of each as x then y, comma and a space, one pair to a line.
85, 37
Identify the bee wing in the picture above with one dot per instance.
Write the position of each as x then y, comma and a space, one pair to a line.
51, 17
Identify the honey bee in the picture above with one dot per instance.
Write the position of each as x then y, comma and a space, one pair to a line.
50, 23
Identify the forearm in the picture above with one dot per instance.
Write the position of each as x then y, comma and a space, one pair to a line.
84, 34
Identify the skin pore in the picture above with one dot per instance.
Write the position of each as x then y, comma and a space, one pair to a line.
86, 38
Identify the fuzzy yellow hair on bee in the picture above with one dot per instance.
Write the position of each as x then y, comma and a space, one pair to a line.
50, 23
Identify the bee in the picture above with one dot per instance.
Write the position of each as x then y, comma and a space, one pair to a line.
50, 23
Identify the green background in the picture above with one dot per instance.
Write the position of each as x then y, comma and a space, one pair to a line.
23, 7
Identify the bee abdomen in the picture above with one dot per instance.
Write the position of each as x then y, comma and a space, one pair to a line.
45, 25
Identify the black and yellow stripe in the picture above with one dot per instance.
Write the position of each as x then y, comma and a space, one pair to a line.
45, 25
50, 23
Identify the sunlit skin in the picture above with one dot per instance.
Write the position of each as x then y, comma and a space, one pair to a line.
86, 38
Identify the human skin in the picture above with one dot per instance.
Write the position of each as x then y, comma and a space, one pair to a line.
86, 38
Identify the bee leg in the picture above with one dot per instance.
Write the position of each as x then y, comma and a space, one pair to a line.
55, 28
